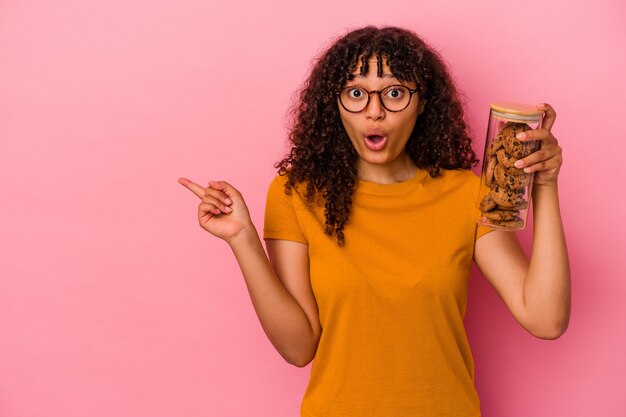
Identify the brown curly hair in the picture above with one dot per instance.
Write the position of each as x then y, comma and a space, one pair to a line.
321, 152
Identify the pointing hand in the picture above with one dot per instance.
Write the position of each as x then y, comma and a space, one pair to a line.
222, 211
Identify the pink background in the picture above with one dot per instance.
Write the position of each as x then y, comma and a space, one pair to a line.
114, 302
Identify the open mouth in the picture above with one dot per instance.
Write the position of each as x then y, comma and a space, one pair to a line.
375, 142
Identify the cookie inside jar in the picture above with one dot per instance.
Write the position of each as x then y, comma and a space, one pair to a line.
505, 191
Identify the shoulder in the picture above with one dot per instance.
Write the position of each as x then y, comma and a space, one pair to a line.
280, 182
464, 179
295, 194
277, 188
460, 174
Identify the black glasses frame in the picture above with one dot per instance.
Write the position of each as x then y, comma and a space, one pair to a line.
380, 98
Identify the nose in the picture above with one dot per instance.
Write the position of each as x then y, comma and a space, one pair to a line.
375, 109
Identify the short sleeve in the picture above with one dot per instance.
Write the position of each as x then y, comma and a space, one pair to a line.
482, 230
281, 219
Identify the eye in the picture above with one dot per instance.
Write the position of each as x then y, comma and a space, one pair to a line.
395, 93
355, 93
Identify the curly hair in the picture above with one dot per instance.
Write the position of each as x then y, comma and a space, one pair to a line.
321, 152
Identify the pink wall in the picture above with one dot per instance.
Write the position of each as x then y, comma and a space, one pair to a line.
113, 301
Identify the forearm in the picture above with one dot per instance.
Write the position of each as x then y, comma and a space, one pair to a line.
282, 318
547, 293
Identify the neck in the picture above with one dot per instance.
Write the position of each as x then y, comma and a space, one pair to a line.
399, 171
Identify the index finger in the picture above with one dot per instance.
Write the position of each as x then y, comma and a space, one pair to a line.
549, 115
195, 188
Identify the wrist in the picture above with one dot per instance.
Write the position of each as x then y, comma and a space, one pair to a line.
547, 192
547, 186
244, 235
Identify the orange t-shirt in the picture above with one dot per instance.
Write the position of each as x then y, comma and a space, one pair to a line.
392, 300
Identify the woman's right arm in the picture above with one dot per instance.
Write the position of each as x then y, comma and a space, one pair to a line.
280, 291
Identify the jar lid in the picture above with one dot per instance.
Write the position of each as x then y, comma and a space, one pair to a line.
516, 111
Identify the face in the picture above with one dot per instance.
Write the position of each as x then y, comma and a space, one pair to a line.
395, 127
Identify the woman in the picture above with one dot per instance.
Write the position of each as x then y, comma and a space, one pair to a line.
370, 228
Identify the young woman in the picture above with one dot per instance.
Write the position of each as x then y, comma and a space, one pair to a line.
370, 227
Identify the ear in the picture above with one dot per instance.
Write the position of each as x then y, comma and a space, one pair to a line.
421, 106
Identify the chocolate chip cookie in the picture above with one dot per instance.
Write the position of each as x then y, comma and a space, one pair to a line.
516, 223
506, 197
521, 206
491, 166
507, 161
516, 148
504, 179
487, 203
495, 144
501, 215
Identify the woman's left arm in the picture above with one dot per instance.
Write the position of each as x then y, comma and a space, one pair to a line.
536, 291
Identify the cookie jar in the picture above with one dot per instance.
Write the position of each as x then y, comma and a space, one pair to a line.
505, 191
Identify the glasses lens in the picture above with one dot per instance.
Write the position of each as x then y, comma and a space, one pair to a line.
395, 97
353, 98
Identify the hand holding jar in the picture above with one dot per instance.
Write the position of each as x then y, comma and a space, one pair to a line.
517, 148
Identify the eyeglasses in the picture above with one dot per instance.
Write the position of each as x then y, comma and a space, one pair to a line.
393, 98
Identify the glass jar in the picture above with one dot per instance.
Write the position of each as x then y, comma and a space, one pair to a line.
504, 195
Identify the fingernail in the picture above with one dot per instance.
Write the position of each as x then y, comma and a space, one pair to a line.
228, 201
526, 170
521, 135
228, 208
519, 164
